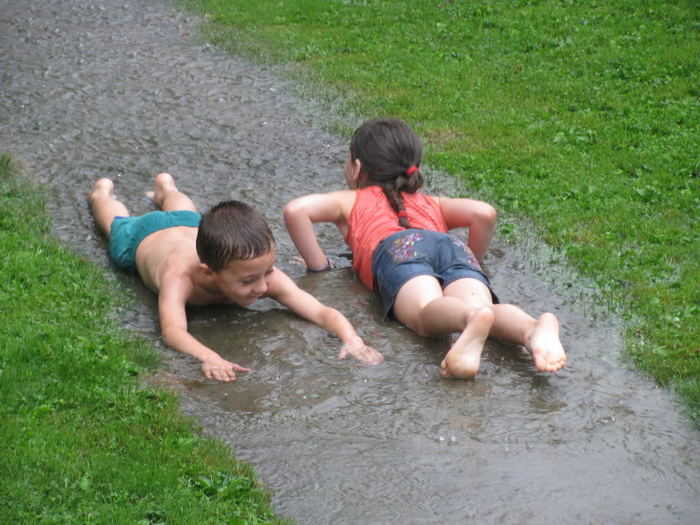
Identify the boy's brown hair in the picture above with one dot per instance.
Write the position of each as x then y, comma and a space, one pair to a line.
231, 231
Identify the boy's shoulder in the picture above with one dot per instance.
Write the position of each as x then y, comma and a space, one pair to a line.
185, 280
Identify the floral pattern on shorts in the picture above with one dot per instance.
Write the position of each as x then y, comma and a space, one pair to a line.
403, 249
470, 255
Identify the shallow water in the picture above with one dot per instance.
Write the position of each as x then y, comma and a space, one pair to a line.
125, 90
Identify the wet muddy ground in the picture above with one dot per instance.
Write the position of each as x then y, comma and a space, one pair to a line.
125, 90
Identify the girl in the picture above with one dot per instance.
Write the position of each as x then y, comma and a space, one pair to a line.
428, 279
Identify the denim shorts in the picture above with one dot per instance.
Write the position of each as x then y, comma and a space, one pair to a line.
409, 253
127, 232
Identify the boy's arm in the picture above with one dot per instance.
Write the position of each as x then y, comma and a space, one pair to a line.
478, 216
173, 323
283, 290
300, 214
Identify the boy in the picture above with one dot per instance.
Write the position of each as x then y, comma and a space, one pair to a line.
228, 256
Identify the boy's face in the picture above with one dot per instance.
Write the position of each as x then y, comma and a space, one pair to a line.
245, 281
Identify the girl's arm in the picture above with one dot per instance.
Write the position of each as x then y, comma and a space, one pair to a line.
283, 290
299, 216
478, 216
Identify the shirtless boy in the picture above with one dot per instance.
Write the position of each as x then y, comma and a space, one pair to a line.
224, 256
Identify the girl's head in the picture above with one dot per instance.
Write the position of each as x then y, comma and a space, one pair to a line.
388, 154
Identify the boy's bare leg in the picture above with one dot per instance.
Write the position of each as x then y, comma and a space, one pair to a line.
104, 205
539, 336
167, 197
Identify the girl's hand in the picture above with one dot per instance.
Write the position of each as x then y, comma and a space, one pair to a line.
221, 370
360, 351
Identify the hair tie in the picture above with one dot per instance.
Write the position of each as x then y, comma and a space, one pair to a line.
402, 213
410, 171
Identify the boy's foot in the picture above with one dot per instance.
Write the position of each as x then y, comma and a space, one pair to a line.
545, 346
164, 183
102, 188
104, 205
462, 360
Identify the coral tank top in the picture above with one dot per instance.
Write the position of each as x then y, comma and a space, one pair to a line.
372, 220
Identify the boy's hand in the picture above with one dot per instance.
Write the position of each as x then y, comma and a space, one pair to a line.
221, 370
360, 351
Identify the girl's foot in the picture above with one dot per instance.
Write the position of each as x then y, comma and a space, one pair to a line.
462, 360
544, 344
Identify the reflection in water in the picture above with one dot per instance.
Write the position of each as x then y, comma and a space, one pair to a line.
122, 89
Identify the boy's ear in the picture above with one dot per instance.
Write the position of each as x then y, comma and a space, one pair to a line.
206, 270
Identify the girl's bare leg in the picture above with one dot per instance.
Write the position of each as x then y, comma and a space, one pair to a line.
544, 344
104, 205
539, 336
421, 305
463, 358
167, 197
511, 324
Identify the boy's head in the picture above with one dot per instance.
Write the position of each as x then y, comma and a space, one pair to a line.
232, 231
237, 250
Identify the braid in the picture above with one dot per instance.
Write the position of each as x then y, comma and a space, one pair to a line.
394, 197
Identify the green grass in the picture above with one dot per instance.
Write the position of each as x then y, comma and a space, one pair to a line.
582, 118
83, 440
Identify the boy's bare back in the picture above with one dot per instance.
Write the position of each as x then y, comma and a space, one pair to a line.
167, 255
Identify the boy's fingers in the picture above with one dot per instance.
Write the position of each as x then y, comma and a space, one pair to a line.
374, 357
364, 353
226, 375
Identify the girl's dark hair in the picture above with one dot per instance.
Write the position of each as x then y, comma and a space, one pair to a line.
232, 231
386, 148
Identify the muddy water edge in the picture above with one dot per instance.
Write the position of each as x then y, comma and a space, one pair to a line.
125, 90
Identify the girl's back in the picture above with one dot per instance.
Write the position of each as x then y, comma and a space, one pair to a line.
373, 219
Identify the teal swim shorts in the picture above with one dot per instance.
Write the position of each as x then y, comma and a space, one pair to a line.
128, 232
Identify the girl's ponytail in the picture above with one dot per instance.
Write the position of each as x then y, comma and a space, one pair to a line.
394, 197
